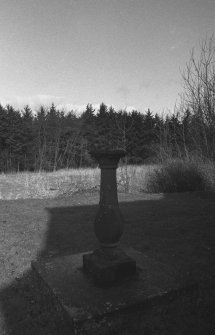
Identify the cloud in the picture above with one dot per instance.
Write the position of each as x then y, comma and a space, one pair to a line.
33, 101
130, 108
36, 101
78, 109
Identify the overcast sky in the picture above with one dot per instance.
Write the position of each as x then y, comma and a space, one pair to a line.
120, 52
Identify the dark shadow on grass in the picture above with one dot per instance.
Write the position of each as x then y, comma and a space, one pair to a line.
176, 229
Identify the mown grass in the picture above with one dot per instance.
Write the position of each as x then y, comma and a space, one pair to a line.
177, 230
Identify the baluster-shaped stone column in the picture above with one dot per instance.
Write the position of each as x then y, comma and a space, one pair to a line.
108, 263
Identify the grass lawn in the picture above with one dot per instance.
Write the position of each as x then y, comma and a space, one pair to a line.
178, 229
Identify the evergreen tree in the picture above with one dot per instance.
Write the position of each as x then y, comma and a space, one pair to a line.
40, 139
88, 126
28, 143
101, 129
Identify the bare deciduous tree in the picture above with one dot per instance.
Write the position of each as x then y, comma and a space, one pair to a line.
198, 96
199, 82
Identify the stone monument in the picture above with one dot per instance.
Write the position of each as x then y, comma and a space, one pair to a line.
109, 290
109, 263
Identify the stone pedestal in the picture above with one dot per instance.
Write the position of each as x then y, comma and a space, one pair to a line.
137, 305
108, 270
108, 264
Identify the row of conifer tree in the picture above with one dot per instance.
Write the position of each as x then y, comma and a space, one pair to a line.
51, 139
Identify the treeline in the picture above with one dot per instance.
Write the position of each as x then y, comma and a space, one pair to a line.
52, 139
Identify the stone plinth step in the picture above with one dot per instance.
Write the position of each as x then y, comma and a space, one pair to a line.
108, 270
131, 306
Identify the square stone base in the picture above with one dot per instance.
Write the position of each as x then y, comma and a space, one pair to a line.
132, 306
109, 270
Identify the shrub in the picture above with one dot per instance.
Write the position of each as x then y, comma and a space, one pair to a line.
177, 176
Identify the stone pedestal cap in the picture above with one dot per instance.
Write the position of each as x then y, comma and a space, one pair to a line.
108, 158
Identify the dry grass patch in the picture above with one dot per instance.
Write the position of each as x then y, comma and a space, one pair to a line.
173, 176
133, 178
66, 182
47, 184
